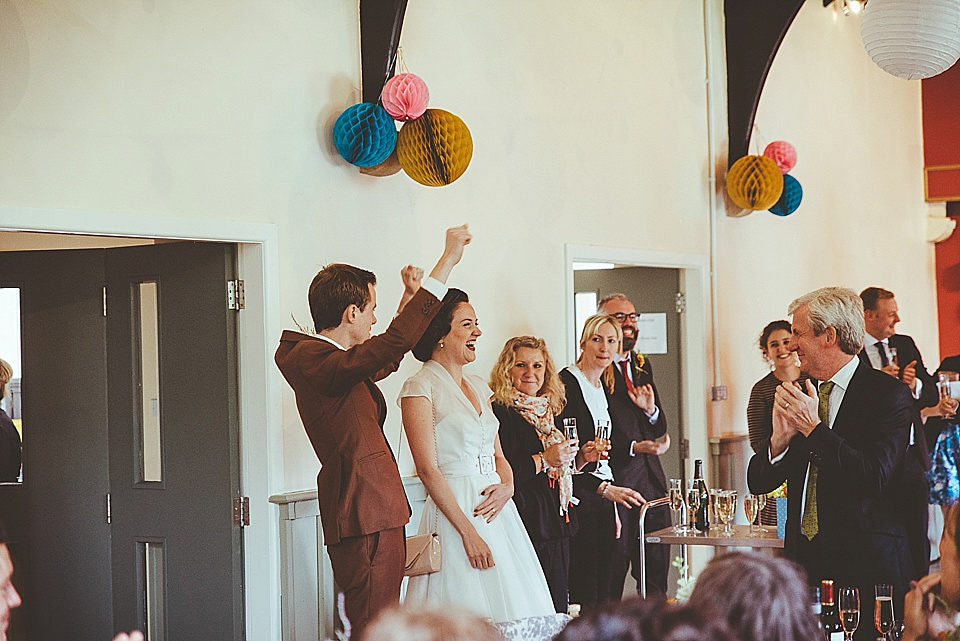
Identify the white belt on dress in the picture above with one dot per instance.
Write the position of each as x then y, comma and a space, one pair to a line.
481, 464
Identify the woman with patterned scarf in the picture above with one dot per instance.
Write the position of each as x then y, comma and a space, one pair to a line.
527, 393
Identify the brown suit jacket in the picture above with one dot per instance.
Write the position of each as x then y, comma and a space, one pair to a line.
343, 411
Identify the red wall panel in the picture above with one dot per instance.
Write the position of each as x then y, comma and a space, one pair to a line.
948, 295
941, 134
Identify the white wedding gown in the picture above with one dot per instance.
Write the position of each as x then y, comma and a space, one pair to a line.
514, 588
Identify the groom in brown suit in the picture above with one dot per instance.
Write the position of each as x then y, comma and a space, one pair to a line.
363, 507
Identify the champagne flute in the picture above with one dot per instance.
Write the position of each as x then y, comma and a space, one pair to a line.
731, 511
751, 508
693, 502
893, 355
883, 615
722, 506
849, 611
570, 433
602, 438
943, 384
761, 503
676, 505
714, 502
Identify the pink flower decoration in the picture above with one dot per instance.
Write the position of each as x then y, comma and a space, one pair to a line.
405, 97
780, 152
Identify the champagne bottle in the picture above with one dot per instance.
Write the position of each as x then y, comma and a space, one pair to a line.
818, 610
829, 619
702, 522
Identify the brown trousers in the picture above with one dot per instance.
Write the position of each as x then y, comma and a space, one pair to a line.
368, 570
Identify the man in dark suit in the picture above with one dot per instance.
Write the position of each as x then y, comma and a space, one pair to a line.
841, 449
637, 422
881, 316
363, 507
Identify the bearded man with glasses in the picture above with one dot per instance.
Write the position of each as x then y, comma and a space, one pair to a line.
637, 425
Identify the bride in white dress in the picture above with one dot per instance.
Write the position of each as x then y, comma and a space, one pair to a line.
488, 563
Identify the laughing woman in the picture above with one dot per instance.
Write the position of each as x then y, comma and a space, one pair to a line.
489, 565
592, 548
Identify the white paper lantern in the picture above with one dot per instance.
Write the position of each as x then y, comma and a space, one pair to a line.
912, 39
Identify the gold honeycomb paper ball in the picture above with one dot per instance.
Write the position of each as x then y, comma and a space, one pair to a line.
755, 182
435, 149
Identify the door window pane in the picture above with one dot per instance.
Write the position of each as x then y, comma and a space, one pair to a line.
11, 421
153, 614
148, 358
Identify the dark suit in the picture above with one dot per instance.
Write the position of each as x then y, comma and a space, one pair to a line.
363, 507
914, 493
643, 473
862, 537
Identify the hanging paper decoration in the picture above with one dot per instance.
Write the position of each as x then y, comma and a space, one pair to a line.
790, 198
405, 97
912, 39
753, 182
365, 135
782, 153
435, 149
388, 167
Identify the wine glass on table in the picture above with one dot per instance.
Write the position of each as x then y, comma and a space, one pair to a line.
714, 501
751, 508
761, 503
849, 611
693, 503
676, 506
883, 615
729, 503
570, 433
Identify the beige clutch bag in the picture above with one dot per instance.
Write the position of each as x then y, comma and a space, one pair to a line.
423, 554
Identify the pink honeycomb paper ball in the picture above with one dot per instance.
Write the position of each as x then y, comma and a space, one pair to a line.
405, 97
780, 152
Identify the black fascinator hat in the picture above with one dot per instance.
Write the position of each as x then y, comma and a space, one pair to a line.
440, 325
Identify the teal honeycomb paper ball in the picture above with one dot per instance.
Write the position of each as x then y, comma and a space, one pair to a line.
790, 198
365, 134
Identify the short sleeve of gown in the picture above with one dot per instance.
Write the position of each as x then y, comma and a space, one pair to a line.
416, 385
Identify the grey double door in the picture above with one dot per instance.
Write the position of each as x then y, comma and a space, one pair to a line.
124, 518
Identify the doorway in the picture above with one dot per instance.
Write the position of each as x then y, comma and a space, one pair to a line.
654, 292
131, 450
652, 281
260, 386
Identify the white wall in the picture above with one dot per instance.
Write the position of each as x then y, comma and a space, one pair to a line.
862, 221
589, 124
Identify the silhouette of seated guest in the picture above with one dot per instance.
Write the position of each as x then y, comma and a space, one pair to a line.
761, 598
429, 624
652, 619
10, 450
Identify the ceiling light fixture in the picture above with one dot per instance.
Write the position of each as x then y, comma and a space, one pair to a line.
846, 7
